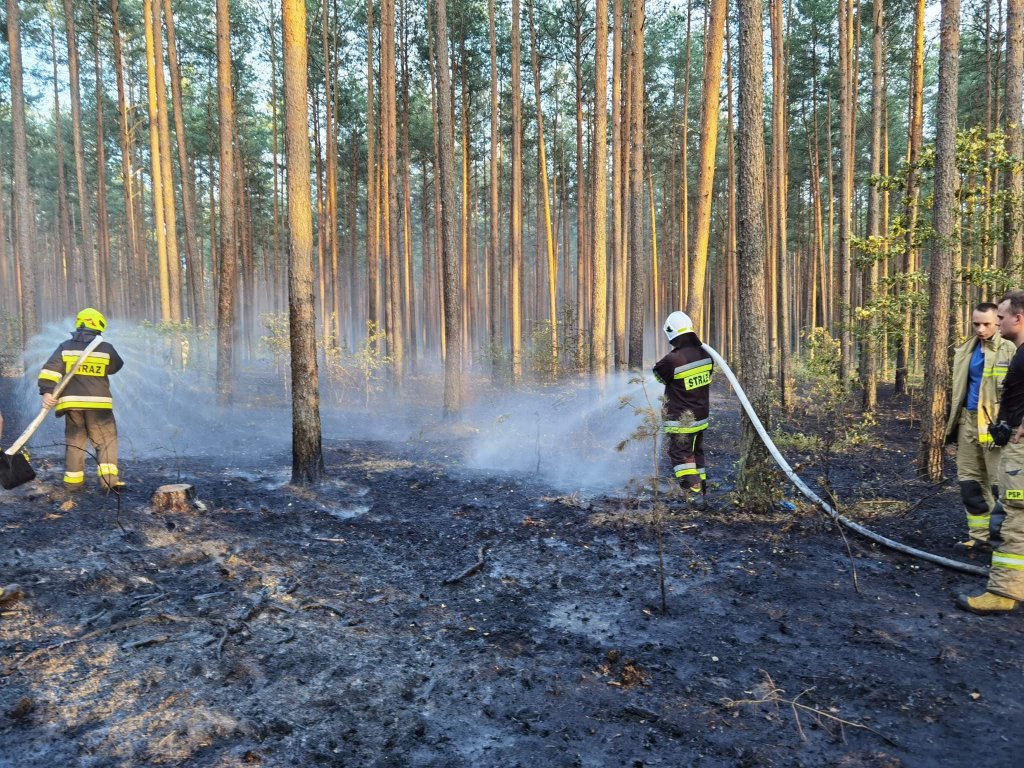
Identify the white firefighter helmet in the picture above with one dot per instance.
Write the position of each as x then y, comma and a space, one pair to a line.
677, 324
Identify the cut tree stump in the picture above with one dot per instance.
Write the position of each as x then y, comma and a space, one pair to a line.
177, 497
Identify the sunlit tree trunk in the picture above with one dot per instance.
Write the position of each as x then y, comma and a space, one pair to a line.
711, 89
23, 229
156, 168
103, 261
307, 453
72, 274
372, 213
193, 257
127, 176
846, 161
227, 249
91, 292
516, 205
947, 241
753, 480
637, 273
618, 145
449, 215
599, 301
780, 164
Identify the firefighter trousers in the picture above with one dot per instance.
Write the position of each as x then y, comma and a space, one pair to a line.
687, 454
977, 470
1007, 575
80, 428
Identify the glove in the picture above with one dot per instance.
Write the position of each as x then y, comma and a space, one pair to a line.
1001, 433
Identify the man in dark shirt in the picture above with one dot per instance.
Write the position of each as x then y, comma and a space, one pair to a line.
686, 374
1006, 577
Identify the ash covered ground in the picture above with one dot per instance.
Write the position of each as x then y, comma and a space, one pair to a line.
281, 626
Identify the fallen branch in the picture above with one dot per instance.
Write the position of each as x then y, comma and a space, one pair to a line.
480, 559
329, 540
325, 607
773, 696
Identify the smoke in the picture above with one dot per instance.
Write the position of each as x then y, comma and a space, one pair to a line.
565, 435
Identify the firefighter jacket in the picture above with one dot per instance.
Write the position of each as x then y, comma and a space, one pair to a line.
686, 374
90, 388
998, 353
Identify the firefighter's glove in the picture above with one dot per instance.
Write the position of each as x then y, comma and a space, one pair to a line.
1001, 433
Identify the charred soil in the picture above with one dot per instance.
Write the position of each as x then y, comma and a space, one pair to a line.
347, 625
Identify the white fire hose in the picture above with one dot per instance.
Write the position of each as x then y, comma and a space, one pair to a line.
806, 491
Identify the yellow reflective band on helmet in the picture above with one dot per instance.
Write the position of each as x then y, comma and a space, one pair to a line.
107, 469
1007, 560
47, 375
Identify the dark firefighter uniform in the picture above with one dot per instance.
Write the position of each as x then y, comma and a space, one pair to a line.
86, 403
686, 374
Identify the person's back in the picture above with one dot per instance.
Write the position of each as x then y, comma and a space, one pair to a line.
686, 374
86, 402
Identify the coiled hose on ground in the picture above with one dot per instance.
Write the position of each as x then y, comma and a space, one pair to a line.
806, 491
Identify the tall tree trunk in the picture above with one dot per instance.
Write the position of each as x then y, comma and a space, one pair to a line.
103, 265
711, 88
134, 233
916, 127
780, 163
307, 452
637, 273
409, 299
23, 228
156, 166
71, 276
170, 213
449, 214
947, 240
846, 161
389, 190
372, 195
193, 256
227, 250
869, 372
542, 173
276, 288
1013, 255
516, 206
618, 147
494, 220
85, 214
753, 480
599, 300
581, 245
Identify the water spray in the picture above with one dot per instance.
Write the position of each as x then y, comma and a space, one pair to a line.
945, 562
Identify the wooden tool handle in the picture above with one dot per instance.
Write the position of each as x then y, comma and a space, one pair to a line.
20, 442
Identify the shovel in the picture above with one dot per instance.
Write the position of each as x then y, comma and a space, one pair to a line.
14, 467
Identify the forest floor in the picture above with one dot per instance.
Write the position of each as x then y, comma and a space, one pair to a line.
280, 626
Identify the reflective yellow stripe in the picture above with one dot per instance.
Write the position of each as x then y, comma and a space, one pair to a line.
90, 405
108, 469
984, 437
46, 375
74, 478
1007, 560
978, 521
685, 472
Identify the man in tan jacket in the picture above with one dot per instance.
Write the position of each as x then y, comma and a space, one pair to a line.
979, 365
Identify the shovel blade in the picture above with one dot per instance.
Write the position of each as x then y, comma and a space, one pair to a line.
15, 470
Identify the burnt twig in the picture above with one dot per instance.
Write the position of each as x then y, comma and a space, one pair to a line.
480, 559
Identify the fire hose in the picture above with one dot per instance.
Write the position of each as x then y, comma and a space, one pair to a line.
945, 562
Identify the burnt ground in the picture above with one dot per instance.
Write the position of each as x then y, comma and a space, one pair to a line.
278, 626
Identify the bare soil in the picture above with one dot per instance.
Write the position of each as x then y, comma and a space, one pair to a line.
280, 626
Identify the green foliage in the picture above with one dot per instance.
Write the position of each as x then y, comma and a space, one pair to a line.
362, 367
277, 342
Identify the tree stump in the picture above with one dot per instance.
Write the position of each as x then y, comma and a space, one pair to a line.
177, 497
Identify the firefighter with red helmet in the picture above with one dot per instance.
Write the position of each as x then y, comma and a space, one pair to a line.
686, 374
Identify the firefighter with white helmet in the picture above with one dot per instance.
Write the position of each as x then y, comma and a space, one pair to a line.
86, 404
686, 374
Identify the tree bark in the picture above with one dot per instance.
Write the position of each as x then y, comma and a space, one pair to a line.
846, 161
85, 214
494, 222
599, 301
637, 274
711, 88
227, 249
449, 214
372, 213
753, 481
869, 372
516, 206
947, 241
24, 231
1013, 248
307, 452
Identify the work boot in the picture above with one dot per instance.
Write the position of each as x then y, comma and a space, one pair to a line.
973, 546
986, 603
